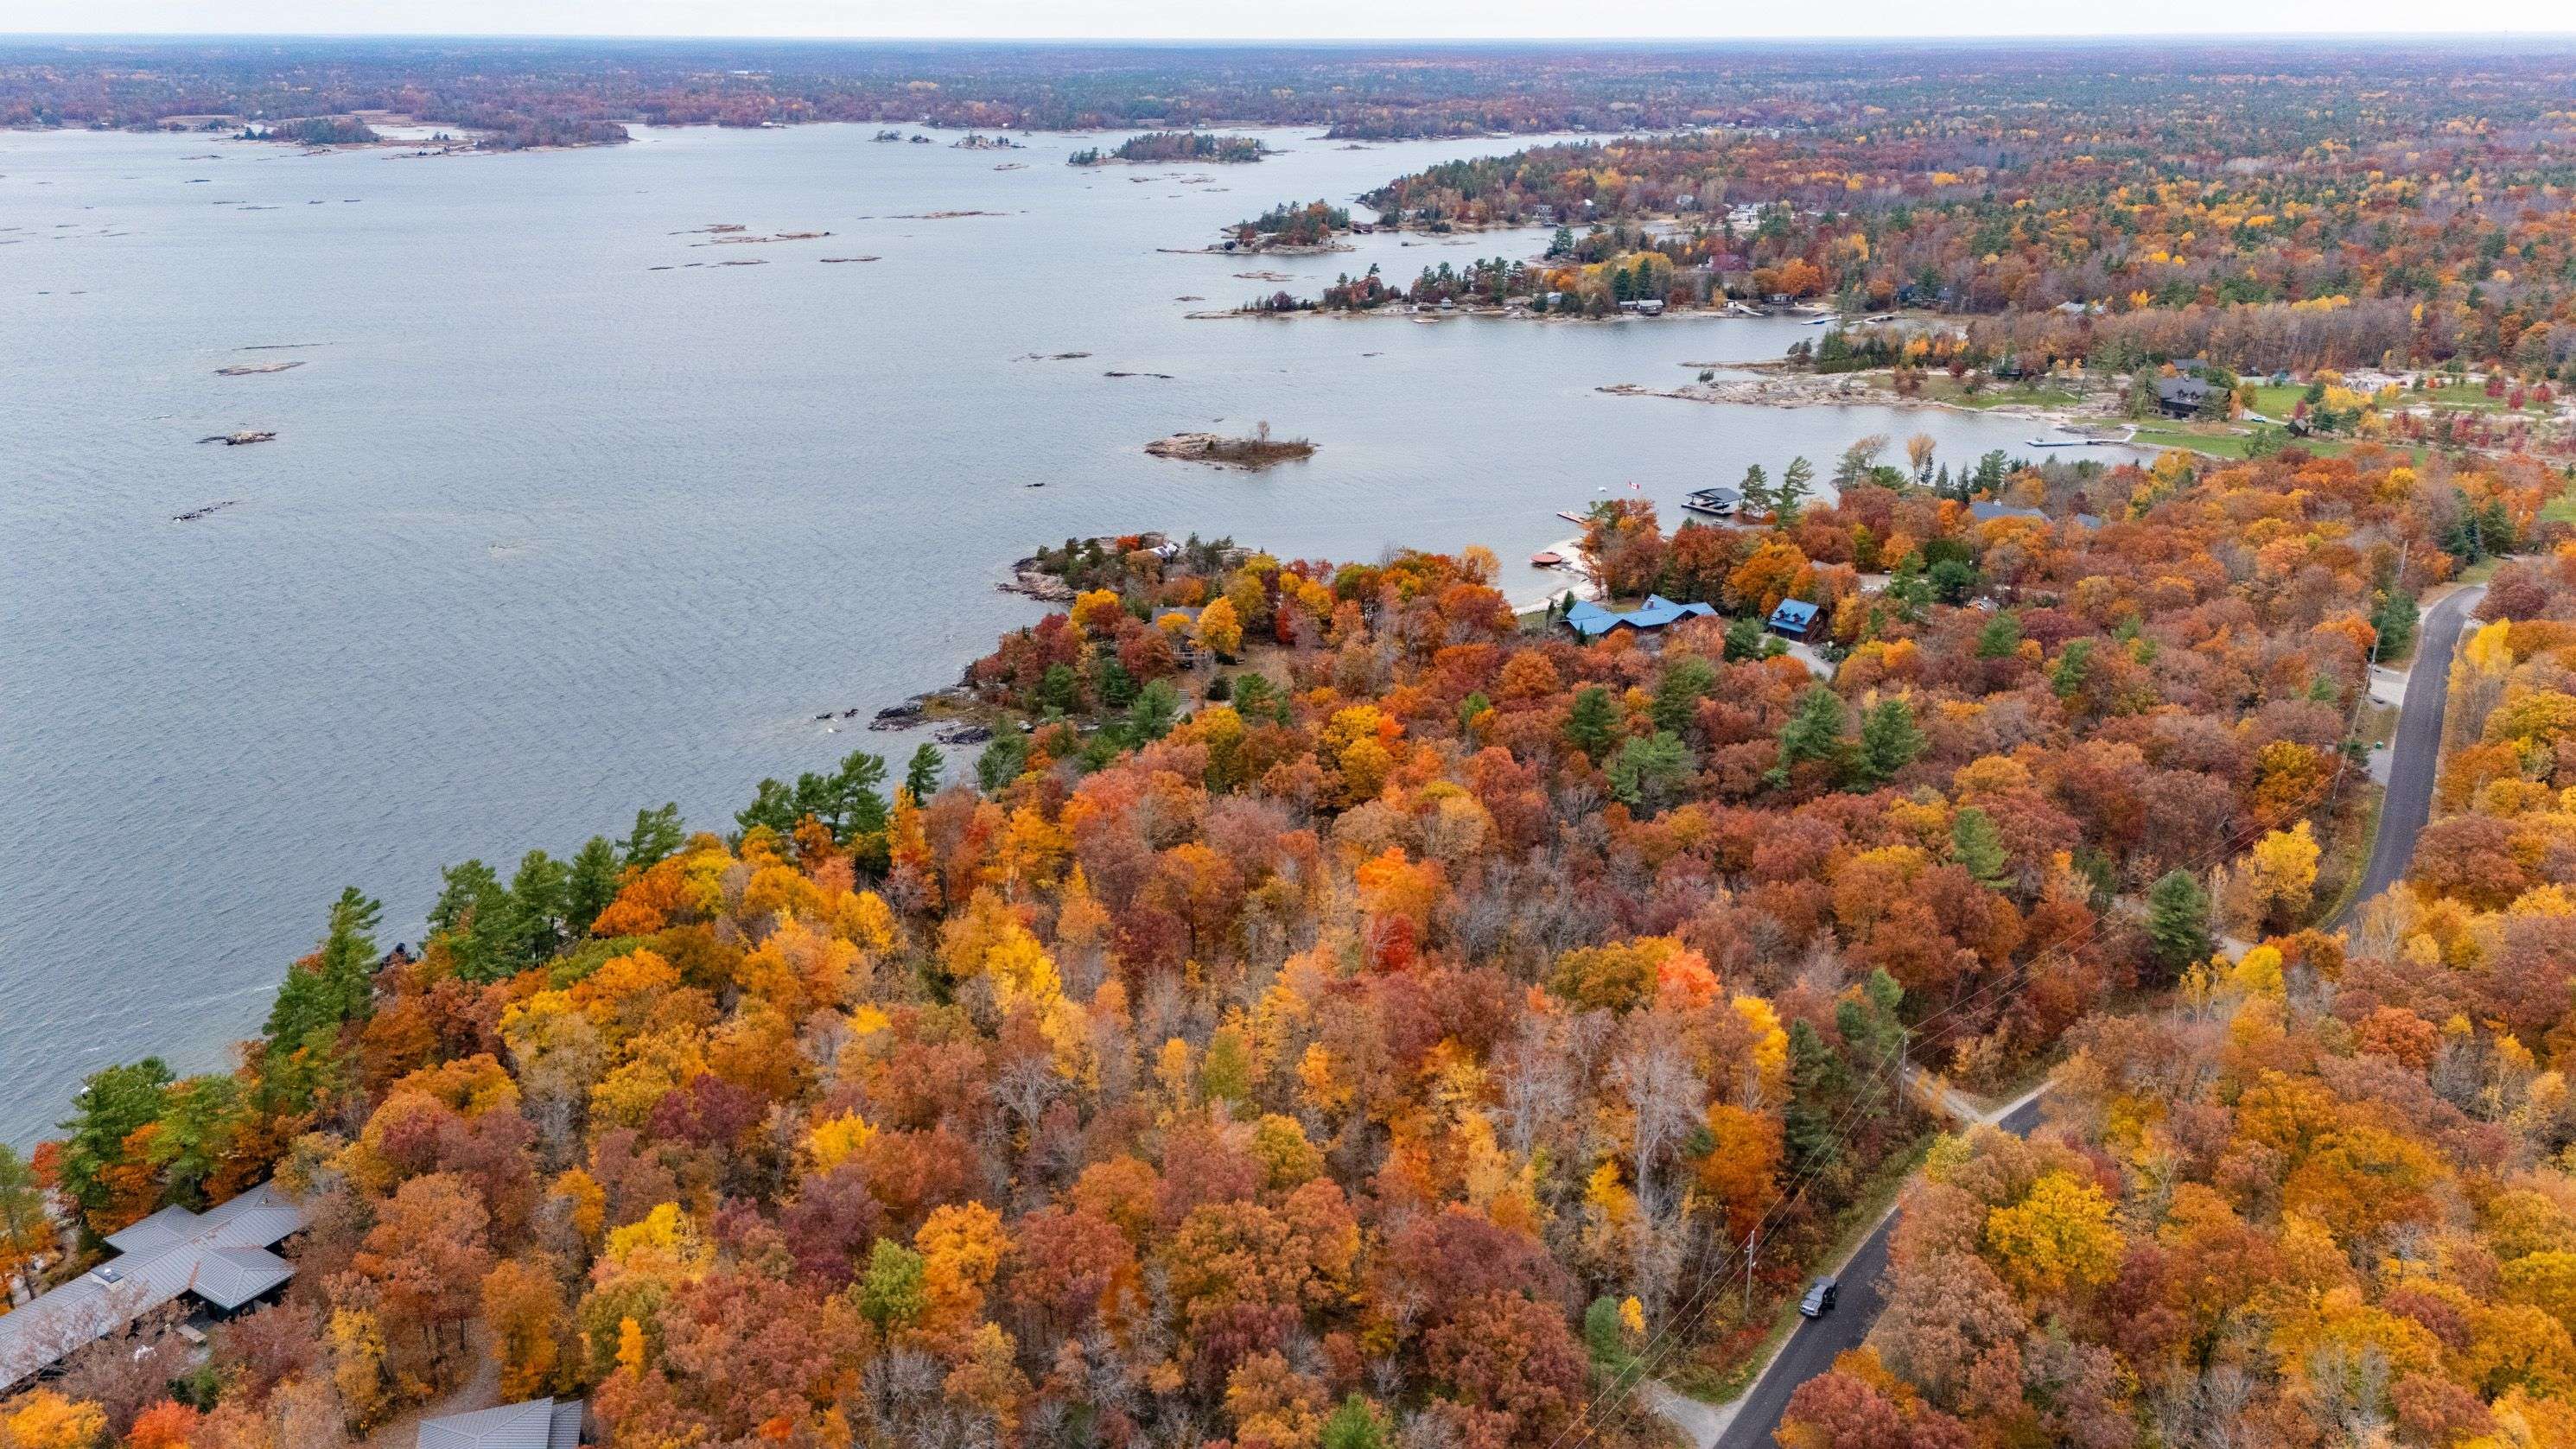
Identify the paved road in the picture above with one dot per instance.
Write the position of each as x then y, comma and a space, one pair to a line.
2403, 811
1812, 1346
2408, 804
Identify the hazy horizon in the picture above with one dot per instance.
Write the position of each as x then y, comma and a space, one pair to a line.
1606, 41
1411, 21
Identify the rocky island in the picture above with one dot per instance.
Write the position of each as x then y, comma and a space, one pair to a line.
1251, 454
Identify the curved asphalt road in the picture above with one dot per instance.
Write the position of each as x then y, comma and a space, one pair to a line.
2408, 804
2403, 812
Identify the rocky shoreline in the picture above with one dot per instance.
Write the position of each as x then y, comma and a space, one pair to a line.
1783, 389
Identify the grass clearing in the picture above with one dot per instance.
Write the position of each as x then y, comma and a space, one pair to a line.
1941, 387
2276, 402
2217, 444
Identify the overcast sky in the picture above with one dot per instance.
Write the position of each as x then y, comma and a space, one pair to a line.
1294, 19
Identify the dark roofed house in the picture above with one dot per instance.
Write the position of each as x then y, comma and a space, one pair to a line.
536, 1424
221, 1256
1591, 621
2181, 397
1793, 618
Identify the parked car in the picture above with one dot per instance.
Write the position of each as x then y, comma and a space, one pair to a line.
1820, 1298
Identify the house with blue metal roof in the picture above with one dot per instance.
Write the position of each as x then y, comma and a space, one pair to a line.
1590, 621
1793, 618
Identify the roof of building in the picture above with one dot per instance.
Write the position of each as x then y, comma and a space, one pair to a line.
221, 1255
1793, 614
2181, 390
1592, 621
536, 1424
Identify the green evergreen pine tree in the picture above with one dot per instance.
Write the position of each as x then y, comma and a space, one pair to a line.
927, 769
1818, 1085
593, 885
1814, 731
1978, 846
2178, 920
2394, 617
1593, 724
1756, 489
655, 838
1687, 680
1796, 482
1889, 739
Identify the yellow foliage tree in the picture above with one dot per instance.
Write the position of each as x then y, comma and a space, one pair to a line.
961, 1247
2281, 872
837, 1141
44, 1419
2057, 1237
1220, 629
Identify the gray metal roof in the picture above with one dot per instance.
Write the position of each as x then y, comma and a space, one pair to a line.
536, 1424
221, 1255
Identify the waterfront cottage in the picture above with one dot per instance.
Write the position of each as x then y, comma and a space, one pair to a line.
219, 1257
1590, 621
2181, 397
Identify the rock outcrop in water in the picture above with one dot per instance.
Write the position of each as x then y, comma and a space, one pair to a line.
1215, 449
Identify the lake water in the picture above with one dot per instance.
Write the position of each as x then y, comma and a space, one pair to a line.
547, 534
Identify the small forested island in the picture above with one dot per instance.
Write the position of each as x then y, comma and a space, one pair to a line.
1291, 227
1256, 452
315, 131
1175, 146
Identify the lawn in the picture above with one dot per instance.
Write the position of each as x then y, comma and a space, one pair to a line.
2468, 400
1944, 388
2217, 444
2275, 402
2219, 440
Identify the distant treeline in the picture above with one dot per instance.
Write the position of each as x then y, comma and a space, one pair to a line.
1361, 92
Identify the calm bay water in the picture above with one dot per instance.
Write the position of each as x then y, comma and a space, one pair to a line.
547, 534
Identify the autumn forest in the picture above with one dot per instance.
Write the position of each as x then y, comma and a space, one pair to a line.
1328, 1006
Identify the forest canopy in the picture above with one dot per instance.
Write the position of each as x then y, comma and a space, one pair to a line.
1348, 1013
